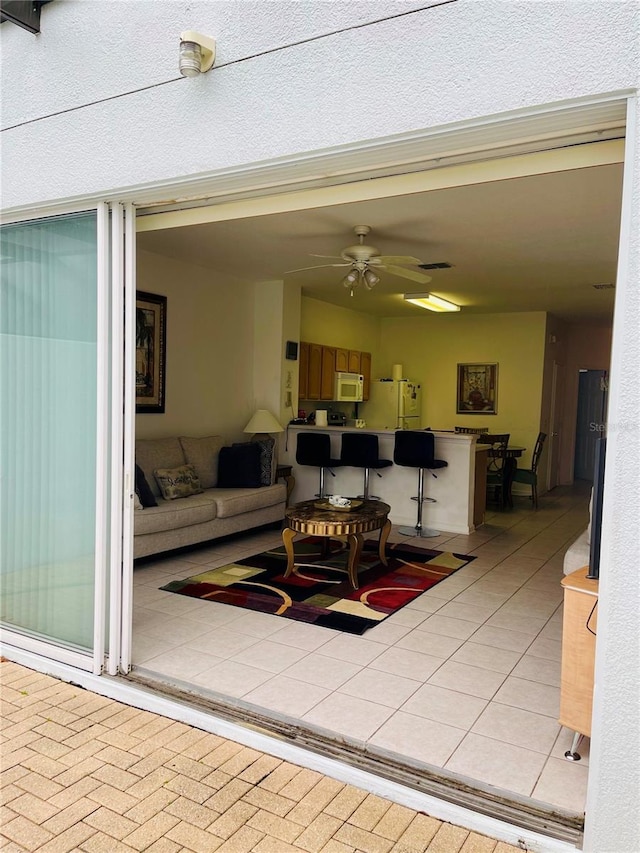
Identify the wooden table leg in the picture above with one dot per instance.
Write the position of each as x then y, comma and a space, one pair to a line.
288, 536
356, 541
384, 535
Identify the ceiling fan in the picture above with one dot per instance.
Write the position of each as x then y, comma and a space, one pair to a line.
365, 262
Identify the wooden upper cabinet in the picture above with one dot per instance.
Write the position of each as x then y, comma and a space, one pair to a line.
365, 370
342, 361
303, 371
327, 386
315, 372
354, 361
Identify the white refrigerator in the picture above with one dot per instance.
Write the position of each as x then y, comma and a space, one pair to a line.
393, 404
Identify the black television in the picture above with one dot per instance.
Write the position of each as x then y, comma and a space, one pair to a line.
596, 508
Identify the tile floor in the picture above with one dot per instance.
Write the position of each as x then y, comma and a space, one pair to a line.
465, 678
84, 773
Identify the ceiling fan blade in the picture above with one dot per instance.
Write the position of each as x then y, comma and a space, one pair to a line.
336, 257
317, 267
420, 277
400, 259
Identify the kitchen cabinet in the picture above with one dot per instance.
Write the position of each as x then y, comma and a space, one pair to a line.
314, 375
354, 361
327, 379
342, 361
365, 370
303, 371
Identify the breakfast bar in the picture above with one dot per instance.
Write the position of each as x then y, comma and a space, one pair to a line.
456, 490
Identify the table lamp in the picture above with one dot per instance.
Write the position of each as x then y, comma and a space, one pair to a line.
262, 424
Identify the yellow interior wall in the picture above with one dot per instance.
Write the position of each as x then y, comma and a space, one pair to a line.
321, 323
430, 347
210, 347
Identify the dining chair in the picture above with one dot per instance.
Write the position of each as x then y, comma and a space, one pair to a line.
471, 430
500, 468
530, 475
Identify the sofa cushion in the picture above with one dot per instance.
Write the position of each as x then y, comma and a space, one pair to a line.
178, 482
143, 490
239, 467
202, 453
230, 502
267, 459
170, 515
152, 453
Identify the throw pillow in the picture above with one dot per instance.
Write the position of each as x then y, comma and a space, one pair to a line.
202, 453
177, 482
239, 467
143, 490
267, 458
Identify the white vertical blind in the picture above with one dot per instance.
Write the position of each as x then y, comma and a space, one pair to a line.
48, 338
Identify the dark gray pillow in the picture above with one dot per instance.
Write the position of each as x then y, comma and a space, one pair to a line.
239, 467
143, 490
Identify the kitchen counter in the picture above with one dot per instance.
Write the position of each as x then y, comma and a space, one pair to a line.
457, 509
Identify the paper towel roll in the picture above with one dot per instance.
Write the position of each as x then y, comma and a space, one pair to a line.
397, 371
321, 417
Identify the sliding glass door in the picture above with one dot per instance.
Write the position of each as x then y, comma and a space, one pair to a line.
50, 411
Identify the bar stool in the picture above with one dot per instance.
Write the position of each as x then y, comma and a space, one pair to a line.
314, 449
415, 449
360, 450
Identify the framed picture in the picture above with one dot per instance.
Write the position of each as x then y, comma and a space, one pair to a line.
151, 352
477, 389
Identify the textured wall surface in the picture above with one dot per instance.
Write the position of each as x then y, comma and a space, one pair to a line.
95, 104
106, 108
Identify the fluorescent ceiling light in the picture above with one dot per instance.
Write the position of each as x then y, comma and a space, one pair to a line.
433, 303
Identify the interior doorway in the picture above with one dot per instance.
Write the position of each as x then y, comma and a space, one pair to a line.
590, 420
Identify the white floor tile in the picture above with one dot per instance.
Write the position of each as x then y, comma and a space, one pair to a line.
516, 726
543, 648
539, 698
501, 764
316, 668
230, 678
222, 642
287, 696
353, 649
406, 663
467, 612
447, 627
538, 669
516, 622
181, 662
486, 657
501, 638
445, 706
435, 645
383, 688
302, 636
348, 715
419, 738
467, 679
563, 783
272, 657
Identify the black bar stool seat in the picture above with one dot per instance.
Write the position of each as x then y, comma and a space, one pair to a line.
314, 449
415, 449
360, 450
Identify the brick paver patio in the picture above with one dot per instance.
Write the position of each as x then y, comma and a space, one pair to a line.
81, 772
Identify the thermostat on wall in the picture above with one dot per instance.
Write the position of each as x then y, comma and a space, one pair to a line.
291, 350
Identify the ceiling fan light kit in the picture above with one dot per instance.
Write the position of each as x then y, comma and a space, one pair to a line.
431, 302
365, 262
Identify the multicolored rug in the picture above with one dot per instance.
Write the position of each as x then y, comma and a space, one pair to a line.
318, 591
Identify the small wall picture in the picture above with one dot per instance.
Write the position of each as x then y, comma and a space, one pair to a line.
151, 319
477, 389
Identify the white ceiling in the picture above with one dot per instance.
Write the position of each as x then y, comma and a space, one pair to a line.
535, 243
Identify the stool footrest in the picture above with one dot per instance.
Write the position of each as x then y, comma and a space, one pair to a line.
422, 532
428, 500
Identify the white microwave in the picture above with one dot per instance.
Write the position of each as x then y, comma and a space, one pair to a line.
349, 387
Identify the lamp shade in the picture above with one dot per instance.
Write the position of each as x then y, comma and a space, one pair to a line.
263, 421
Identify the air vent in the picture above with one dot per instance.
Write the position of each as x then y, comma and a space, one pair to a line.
606, 286
443, 265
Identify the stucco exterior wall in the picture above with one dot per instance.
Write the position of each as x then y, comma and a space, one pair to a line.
103, 106
95, 104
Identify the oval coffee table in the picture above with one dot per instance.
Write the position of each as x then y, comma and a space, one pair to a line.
307, 518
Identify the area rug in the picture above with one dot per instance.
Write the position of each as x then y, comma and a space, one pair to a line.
318, 591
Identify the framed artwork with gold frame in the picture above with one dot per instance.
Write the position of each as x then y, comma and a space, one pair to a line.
151, 352
477, 391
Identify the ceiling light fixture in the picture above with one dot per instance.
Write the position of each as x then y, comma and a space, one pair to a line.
370, 279
430, 301
197, 53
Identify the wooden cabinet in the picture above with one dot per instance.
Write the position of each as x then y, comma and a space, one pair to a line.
319, 364
327, 380
314, 373
579, 627
354, 361
365, 370
342, 361
303, 371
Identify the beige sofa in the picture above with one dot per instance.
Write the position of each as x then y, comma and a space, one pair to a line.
198, 518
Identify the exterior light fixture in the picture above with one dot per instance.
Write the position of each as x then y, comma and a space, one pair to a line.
431, 302
197, 53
